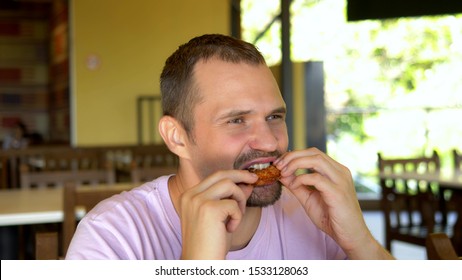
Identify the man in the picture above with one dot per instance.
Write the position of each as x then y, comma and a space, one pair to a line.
224, 114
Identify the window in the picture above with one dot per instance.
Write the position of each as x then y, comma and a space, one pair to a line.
392, 86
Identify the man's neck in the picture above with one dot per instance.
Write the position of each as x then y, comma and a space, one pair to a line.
246, 229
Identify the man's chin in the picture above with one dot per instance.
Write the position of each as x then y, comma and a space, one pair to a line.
264, 196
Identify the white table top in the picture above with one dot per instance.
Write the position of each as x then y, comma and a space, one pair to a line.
36, 206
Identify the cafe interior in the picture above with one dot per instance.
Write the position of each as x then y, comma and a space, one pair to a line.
79, 105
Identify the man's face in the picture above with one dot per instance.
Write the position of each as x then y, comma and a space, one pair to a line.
239, 122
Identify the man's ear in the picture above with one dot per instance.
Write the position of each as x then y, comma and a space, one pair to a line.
174, 135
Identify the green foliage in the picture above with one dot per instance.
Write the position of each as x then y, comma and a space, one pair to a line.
350, 122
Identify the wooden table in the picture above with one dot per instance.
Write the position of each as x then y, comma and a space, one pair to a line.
22, 207
450, 180
38, 206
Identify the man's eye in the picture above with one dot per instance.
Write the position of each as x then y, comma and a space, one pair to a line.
236, 121
275, 117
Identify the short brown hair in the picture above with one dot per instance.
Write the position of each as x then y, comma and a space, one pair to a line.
179, 94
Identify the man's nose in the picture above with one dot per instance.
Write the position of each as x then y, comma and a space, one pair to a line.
263, 138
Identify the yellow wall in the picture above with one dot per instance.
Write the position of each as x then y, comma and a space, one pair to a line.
299, 103
131, 40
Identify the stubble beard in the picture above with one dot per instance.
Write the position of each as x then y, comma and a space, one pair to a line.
264, 196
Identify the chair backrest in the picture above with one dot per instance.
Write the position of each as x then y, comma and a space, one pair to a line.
3, 172
83, 198
439, 247
12, 159
46, 246
59, 178
408, 202
73, 159
419, 165
57, 169
145, 174
150, 162
153, 155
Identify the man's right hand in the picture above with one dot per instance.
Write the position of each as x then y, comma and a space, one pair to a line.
211, 211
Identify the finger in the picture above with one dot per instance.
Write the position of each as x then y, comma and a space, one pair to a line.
330, 192
312, 161
226, 211
233, 214
287, 180
235, 176
222, 189
246, 189
314, 181
310, 152
227, 190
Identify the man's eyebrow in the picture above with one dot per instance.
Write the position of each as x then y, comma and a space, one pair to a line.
234, 113
281, 110
237, 113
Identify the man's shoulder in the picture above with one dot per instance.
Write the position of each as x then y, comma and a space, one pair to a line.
141, 196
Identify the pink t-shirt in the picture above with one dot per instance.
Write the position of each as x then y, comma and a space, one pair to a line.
143, 224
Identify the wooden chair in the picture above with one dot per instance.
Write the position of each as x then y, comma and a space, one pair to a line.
410, 206
3, 172
46, 246
57, 169
150, 162
455, 203
53, 170
439, 247
81, 198
87, 178
12, 159
448, 199
145, 174
75, 200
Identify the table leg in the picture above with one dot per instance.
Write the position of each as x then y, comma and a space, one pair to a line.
442, 206
9, 241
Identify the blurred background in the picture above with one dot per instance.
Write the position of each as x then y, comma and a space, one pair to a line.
387, 74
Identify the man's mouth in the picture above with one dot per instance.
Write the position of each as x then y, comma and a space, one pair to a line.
266, 172
259, 166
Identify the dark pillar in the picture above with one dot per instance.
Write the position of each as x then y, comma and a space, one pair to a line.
286, 68
315, 111
236, 18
